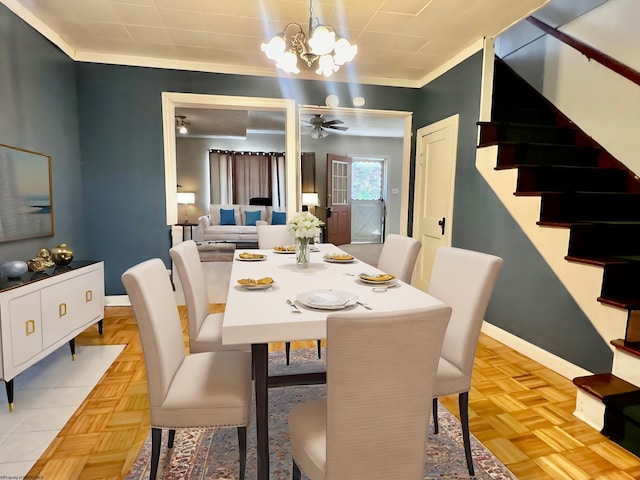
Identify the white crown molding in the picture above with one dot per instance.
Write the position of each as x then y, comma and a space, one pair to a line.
448, 65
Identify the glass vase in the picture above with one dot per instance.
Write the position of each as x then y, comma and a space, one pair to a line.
302, 252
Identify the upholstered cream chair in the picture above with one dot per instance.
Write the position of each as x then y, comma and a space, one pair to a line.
201, 390
270, 236
398, 256
463, 279
205, 328
372, 424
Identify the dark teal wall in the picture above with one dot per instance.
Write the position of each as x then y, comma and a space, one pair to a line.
122, 148
529, 301
108, 176
38, 112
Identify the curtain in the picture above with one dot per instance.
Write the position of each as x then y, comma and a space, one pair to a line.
240, 176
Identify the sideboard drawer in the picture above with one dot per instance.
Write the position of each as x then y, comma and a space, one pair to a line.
26, 327
70, 306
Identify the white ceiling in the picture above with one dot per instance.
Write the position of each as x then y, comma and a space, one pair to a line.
400, 42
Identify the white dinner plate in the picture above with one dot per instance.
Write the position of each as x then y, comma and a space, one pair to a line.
327, 299
266, 286
393, 281
330, 259
263, 257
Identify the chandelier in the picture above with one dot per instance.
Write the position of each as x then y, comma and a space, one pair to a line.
324, 46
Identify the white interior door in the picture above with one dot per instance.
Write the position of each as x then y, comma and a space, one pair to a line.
434, 187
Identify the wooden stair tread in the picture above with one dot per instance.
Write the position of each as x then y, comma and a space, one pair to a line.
626, 303
632, 348
603, 385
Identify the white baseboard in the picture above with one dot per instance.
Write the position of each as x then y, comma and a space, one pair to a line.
549, 360
117, 301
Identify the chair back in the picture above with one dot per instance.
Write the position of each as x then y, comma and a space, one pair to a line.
156, 312
381, 371
398, 256
186, 258
266, 201
270, 236
463, 279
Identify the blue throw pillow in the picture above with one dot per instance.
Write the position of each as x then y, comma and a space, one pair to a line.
227, 217
278, 218
252, 217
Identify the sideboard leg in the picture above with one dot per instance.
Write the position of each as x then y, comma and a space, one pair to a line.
72, 345
9, 386
100, 326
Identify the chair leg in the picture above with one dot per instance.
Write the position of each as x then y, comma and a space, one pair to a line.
172, 436
319, 348
156, 440
287, 348
434, 413
463, 405
296, 474
242, 449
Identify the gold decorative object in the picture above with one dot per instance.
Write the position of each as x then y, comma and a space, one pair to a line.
61, 255
41, 262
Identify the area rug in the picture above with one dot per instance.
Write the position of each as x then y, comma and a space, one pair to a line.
213, 454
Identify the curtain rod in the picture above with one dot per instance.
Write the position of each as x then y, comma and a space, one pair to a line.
233, 152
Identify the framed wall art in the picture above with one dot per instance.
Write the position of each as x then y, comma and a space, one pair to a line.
26, 199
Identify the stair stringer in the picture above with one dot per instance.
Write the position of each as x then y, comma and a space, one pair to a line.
582, 281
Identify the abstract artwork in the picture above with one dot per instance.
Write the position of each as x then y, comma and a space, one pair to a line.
25, 194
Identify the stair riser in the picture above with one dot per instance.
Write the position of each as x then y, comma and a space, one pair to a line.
493, 133
590, 410
620, 281
593, 241
626, 366
533, 179
510, 156
577, 208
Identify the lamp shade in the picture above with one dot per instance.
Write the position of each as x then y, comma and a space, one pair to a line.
186, 197
310, 199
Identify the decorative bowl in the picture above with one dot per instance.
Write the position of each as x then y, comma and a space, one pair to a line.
15, 268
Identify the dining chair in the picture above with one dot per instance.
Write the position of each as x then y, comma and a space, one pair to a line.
270, 236
371, 424
398, 256
200, 390
464, 280
205, 328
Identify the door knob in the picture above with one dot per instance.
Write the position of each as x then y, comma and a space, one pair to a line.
442, 223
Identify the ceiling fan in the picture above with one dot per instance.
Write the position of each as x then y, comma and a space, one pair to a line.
181, 123
321, 126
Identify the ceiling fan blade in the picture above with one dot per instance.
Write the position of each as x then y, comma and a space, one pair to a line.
332, 122
335, 127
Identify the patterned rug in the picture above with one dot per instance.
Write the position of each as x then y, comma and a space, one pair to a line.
213, 454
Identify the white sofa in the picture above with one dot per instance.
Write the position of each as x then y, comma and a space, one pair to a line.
240, 232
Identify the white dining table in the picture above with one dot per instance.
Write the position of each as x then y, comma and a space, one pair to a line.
258, 317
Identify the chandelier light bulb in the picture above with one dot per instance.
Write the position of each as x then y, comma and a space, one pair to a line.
275, 48
288, 62
322, 40
345, 52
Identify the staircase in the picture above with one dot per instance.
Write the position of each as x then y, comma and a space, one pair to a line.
584, 189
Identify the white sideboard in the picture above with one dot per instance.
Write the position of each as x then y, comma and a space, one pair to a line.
42, 311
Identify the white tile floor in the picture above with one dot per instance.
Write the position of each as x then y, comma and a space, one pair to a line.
45, 397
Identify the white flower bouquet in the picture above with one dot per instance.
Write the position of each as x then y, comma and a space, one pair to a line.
304, 225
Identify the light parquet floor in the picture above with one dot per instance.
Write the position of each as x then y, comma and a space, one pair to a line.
519, 409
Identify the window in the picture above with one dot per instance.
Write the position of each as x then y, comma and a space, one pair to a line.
366, 179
